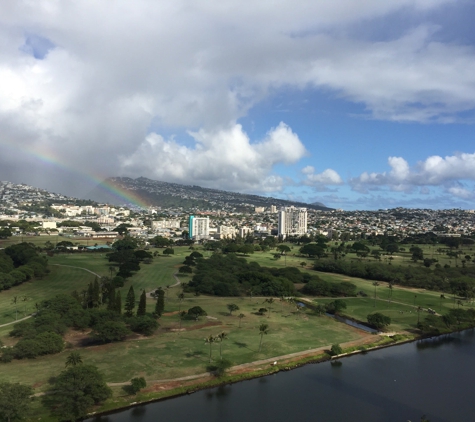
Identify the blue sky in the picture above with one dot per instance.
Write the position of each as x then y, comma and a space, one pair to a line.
359, 105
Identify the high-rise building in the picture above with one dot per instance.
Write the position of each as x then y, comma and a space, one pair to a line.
292, 221
198, 228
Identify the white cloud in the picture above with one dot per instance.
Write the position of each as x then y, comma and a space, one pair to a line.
223, 158
106, 74
321, 181
447, 172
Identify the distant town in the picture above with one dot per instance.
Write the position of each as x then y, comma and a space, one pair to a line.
45, 212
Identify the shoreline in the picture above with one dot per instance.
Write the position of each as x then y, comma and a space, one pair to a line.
245, 372
287, 363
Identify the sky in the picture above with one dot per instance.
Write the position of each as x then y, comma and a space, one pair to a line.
359, 105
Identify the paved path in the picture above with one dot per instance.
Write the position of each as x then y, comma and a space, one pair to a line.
267, 361
18, 320
178, 282
79, 268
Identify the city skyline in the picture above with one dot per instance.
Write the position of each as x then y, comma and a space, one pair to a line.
356, 106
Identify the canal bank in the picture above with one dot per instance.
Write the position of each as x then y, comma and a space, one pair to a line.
430, 376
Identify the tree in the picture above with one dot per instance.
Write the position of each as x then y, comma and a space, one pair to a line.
118, 303
144, 324
181, 298
130, 302
160, 241
232, 307
378, 320
263, 329
136, 384
108, 331
375, 284
320, 309
221, 337
5, 232
111, 299
15, 302
417, 253
185, 269
14, 401
240, 316
168, 251
392, 247
283, 249
196, 311
312, 250
74, 391
210, 340
160, 304
73, 359
336, 306
336, 350
219, 368
96, 295
270, 301
142, 309
182, 315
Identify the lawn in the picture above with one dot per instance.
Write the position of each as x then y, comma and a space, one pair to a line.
170, 354
60, 280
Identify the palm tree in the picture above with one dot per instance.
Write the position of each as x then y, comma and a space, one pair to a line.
73, 359
263, 329
390, 293
282, 300
15, 302
182, 315
181, 297
270, 301
440, 305
240, 316
25, 299
221, 337
250, 292
375, 284
210, 340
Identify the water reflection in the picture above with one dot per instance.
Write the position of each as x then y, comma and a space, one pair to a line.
352, 323
395, 384
435, 342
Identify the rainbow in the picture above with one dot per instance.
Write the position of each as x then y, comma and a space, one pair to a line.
51, 159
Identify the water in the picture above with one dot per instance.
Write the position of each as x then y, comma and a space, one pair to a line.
401, 383
353, 323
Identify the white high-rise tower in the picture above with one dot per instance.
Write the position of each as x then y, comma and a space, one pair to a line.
292, 221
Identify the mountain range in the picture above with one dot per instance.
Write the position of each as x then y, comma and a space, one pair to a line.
173, 195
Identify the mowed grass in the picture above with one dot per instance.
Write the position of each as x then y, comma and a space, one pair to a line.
401, 305
64, 278
170, 354
60, 280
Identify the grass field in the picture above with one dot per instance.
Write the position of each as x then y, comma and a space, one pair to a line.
60, 280
63, 278
170, 353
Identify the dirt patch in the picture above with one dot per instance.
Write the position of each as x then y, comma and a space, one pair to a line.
171, 313
197, 326
77, 338
170, 385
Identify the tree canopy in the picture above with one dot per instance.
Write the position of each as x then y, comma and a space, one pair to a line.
74, 391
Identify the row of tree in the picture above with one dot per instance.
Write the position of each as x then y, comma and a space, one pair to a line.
20, 263
43, 334
457, 280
